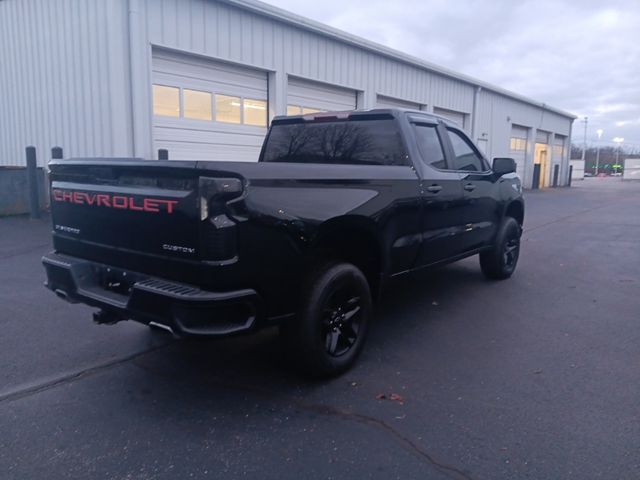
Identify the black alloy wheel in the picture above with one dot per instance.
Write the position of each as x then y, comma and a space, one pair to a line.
330, 329
341, 321
511, 251
499, 262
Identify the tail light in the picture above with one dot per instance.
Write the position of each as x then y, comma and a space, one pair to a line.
218, 231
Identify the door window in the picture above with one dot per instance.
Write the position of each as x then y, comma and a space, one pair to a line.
430, 146
466, 157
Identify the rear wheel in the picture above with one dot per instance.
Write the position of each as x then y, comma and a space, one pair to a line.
500, 262
329, 332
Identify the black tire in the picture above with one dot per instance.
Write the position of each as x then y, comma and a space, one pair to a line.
500, 262
332, 323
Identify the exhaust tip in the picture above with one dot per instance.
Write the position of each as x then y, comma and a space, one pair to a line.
162, 326
62, 294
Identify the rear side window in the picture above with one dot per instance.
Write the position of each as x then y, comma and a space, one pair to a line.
465, 156
430, 146
351, 142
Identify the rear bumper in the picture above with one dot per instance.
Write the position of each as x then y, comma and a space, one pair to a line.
123, 294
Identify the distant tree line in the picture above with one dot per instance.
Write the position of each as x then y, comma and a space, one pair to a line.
607, 157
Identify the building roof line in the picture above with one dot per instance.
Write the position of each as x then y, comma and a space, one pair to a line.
285, 16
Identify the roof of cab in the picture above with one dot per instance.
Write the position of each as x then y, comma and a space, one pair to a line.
348, 114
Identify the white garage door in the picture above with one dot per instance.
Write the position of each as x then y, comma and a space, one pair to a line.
518, 147
206, 110
388, 102
458, 117
304, 97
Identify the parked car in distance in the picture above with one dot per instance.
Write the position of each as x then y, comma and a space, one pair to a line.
306, 238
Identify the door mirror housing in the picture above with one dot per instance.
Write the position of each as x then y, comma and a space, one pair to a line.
502, 166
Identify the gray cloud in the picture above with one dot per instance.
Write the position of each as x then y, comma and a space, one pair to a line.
579, 55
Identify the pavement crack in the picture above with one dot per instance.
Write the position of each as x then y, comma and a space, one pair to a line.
26, 391
402, 440
322, 409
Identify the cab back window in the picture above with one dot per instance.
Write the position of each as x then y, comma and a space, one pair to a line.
351, 142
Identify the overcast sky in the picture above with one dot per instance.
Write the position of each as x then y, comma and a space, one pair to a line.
578, 55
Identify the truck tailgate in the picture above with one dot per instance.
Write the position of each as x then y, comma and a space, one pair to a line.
127, 206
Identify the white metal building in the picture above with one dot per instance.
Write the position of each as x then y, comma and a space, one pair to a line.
202, 78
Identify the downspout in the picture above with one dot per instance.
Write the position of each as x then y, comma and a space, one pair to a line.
474, 118
567, 156
135, 77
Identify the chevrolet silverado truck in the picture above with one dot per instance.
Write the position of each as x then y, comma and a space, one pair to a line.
306, 238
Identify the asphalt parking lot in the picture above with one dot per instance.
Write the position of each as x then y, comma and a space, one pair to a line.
535, 377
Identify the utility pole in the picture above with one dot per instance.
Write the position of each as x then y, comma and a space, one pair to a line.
599, 132
584, 146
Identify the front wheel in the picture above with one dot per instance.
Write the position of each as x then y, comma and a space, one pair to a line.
332, 323
500, 262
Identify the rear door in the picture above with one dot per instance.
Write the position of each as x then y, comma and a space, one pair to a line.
480, 212
441, 195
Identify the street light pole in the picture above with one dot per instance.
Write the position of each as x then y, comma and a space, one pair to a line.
599, 132
584, 146
619, 141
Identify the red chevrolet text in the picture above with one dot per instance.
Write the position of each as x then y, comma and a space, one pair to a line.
123, 202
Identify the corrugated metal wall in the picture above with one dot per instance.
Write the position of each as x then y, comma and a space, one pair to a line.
64, 78
495, 116
225, 32
69, 81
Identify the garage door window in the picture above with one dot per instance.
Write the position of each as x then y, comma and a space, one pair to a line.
197, 104
228, 109
518, 144
166, 101
255, 112
299, 110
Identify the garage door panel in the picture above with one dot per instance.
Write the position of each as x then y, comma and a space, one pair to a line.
457, 117
389, 102
222, 85
320, 96
518, 151
204, 152
204, 72
203, 144
217, 137
520, 159
189, 139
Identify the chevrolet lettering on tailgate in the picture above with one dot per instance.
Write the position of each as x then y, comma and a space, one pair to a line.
124, 202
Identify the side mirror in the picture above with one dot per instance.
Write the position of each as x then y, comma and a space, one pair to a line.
502, 166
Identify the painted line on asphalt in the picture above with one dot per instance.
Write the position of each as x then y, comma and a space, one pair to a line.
41, 386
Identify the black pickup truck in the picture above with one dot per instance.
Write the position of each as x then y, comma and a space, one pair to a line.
305, 239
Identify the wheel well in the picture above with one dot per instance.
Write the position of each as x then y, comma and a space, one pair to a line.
515, 210
355, 245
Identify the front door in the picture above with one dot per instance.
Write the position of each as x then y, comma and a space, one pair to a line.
541, 158
480, 209
441, 197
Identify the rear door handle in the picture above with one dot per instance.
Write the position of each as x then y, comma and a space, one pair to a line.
469, 187
434, 188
